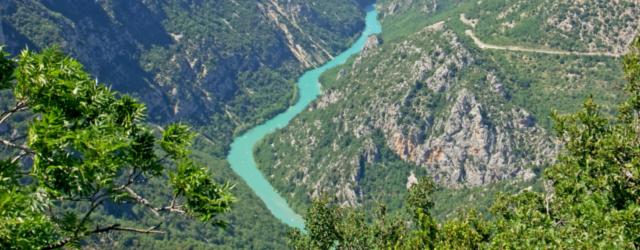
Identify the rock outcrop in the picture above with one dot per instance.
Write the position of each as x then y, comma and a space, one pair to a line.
587, 19
190, 60
604, 26
412, 98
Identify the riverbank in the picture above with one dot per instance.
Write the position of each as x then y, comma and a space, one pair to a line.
241, 156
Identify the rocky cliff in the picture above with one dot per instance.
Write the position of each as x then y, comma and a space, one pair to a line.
219, 65
576, 25
442, 106
226, 63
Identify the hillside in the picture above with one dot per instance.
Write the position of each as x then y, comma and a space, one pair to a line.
460, 91
607, 26
228, 63
427, 100
218, 65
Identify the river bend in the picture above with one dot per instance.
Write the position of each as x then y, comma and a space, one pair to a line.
241, 154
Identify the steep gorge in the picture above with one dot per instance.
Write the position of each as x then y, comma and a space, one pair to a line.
442, 106
221, 66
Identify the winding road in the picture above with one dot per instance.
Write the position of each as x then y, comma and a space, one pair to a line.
485, 46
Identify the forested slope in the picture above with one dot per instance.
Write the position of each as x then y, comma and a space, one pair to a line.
427, 101
221, 66
228, 63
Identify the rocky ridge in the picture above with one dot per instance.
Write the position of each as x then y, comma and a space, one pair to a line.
190, 60
585, 25
431, 102
429, 115
588, 21
395, 7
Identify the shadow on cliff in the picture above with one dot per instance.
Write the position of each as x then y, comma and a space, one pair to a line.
109, 40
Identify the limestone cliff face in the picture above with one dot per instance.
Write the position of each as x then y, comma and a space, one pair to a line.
470, 143
432, 102
395, 7
287, 17
474, 149
467, 142
416, 96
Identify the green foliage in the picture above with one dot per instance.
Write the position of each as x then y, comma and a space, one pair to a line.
347, 228
248, 224
204, 198
558, 25
225, 58
594, 200
322, 226
420, 196
335, 146
591, 197
333, 227
23, 222
6, 70
251, 74
89, 146
176, 139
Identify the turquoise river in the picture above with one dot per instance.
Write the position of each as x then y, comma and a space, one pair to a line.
241, 155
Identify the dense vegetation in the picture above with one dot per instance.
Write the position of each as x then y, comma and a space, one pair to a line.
248, 221
564, 24
428, 75
591, 197
223, 65
88, 148
220, 66
561, 25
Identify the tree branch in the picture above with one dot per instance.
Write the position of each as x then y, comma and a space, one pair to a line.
18, 138
172, 208
20, 106
96, 201
18, 157
130, 179
98, 230
117, 227
16, 146
141, 200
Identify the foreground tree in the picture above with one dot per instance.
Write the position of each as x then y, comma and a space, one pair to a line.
593, 199
86, 147
592, 196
